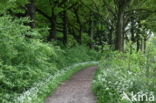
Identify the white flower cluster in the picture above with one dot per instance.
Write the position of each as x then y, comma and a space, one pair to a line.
32, 94
112, 82
110, 79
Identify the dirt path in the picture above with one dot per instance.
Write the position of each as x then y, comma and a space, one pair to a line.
75, 90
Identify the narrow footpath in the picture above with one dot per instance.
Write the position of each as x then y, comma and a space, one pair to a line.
76, 90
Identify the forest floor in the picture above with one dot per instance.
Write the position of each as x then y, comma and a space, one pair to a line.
76, 90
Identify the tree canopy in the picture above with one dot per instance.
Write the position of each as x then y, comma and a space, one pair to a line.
100, 22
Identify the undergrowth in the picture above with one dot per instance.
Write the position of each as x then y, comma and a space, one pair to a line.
40, 90
123, 74
25, 59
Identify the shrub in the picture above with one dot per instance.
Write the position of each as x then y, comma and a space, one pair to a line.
122, 73
25, 60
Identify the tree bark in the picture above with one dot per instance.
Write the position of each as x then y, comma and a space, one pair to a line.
52, 35
53, 28
119, 30
145, 44
80, 26
80, 34
91, 32
65, 27
110, 36
132, 30
138, 42
31, 13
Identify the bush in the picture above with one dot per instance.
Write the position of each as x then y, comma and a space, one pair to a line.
122, 73
39, 91
76, 54
25, 60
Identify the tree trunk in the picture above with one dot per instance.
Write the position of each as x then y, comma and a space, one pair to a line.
80, 34
138, 43
145, 45
123, 40
132, 30
142, 45
110, 36
119, 30
80, 26
91, 32
31, 13
52, 35
65, 27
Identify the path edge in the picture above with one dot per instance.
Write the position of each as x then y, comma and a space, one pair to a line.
40, 91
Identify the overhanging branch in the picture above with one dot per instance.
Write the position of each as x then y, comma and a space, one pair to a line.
43, 14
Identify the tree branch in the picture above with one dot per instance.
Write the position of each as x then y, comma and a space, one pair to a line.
43, 14
61, 3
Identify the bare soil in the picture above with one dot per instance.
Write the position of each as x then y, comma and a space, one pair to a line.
75, 90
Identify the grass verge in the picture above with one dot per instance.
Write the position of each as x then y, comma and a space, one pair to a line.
40, 91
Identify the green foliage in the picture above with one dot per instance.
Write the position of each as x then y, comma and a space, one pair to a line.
76, 54
26, 57
39, 91
121, 73
13, 5
25, 60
